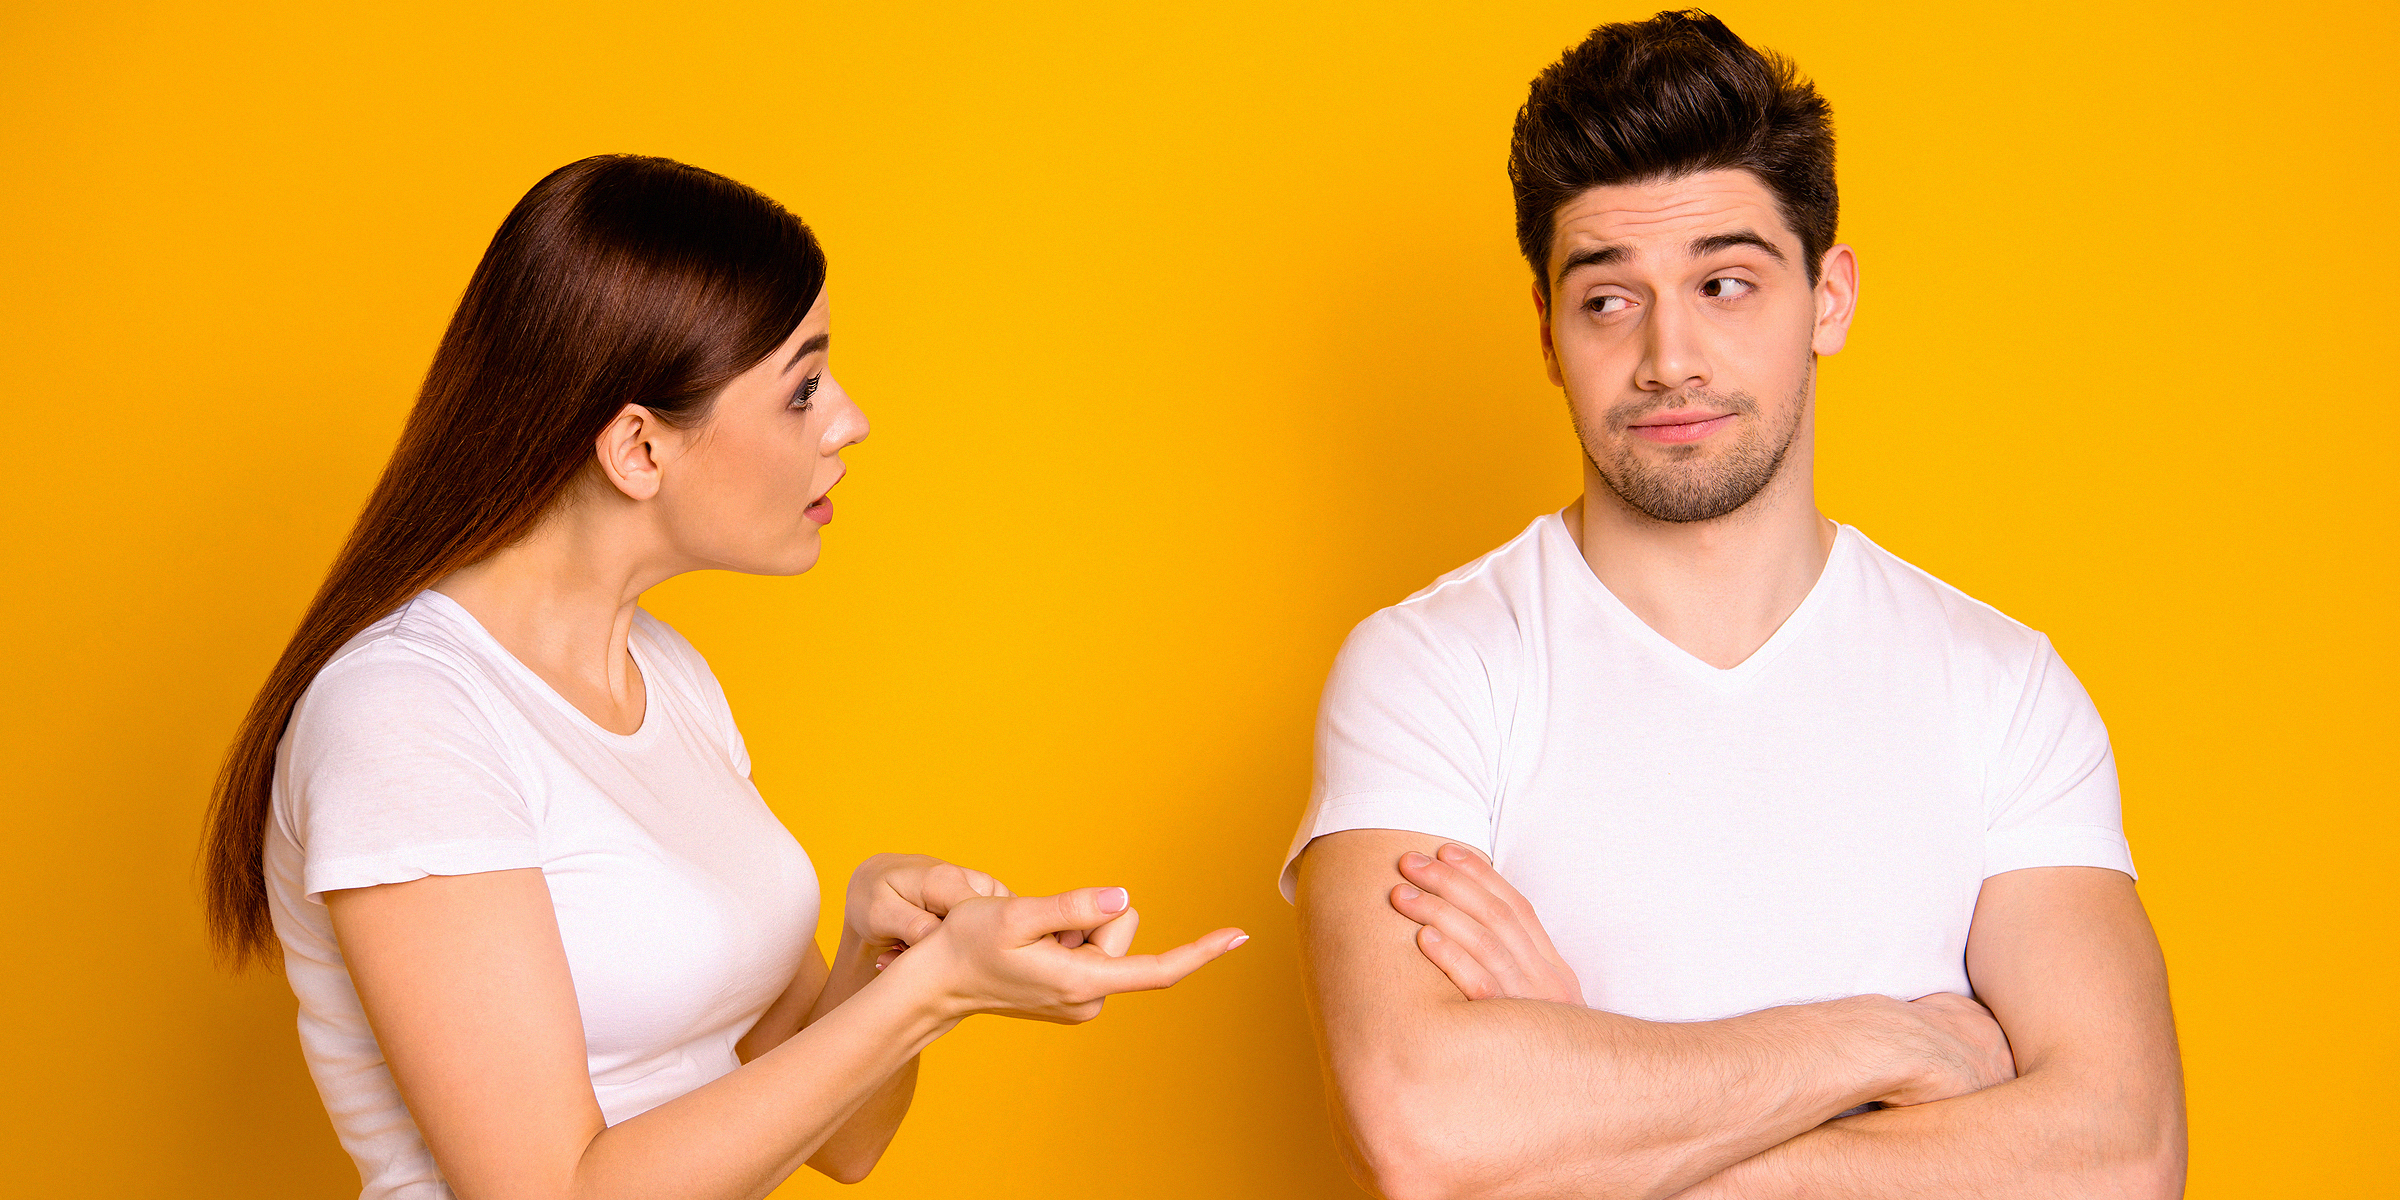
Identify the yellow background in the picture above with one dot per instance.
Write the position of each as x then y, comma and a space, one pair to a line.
1190, 338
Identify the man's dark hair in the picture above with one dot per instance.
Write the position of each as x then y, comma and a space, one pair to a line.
1674, 95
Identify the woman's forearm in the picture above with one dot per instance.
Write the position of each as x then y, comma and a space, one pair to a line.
739, 1136
854, 1149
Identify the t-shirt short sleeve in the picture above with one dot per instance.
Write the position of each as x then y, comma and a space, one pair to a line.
2053, 792
1405, 740
394, 770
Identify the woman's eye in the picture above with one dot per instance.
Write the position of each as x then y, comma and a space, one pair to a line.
1727, 288
1604, 305
808, 388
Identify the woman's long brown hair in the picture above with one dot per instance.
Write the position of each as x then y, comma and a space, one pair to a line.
617, 280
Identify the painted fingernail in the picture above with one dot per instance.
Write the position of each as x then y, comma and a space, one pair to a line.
1237, 941
1114, 900
1412, 860
1406, 892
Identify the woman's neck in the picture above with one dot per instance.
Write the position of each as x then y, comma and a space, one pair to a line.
562, 601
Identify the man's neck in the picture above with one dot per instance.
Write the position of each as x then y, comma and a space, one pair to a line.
1718, 589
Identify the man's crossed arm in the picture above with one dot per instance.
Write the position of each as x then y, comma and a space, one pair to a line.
1464, 1064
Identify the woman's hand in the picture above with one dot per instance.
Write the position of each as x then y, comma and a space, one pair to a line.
896, 900
1480, 930
1004, 955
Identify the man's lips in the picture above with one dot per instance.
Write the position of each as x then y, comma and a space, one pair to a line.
1680, 425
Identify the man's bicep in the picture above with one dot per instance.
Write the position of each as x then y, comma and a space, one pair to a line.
2066, 960
1359, 955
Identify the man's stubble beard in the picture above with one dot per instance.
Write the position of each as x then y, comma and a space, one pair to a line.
1680, 492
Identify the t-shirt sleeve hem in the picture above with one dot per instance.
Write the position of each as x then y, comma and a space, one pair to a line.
1432, 815
415, 862
2056, 846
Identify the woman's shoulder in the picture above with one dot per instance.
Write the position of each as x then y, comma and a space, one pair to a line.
672, 650
412, 666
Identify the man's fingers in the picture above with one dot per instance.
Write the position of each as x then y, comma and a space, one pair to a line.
1467, 882
1479, 870
1459, 928
1461, 887
1474, 866
1149, 972
1467, 975
1468, 893
1116, 937
1031, 917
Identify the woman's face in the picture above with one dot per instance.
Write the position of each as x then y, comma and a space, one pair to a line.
748, 492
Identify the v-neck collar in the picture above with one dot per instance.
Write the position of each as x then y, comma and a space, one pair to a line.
1844, 545
642, 735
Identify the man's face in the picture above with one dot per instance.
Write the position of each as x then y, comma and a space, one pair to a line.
1682, 324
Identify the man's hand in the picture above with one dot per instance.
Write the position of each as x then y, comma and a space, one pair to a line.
1480, 931
1959, 1049
1484, 935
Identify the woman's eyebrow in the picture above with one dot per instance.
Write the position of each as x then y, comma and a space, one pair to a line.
811, 346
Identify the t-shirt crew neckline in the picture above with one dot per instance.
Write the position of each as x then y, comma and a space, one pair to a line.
458, 615
1554, 526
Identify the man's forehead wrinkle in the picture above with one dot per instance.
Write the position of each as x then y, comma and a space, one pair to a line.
1616, 223
1663, 229
1679, 209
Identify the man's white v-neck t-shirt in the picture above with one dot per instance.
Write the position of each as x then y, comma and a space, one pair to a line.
1701, 842
425, 748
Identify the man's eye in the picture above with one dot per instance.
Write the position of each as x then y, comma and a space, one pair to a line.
1727, 288
808, 388
1604, 305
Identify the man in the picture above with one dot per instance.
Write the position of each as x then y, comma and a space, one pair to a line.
1669, 848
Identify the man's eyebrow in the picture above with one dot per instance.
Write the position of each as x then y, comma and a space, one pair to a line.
811, 346
1591, 256
1701, 247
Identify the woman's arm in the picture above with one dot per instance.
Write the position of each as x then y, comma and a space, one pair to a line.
851, 1151
465, 982
892, 898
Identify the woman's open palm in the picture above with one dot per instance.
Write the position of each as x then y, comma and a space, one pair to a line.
1005, 955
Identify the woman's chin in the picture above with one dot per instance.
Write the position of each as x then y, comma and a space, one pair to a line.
799, 560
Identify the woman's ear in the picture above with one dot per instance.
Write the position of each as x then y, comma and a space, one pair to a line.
628, 454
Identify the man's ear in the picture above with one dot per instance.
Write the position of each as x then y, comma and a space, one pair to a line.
627, 454
1837, 300
1541, 313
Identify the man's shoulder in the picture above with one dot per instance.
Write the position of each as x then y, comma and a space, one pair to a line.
1493, 586
1464, 621
1916, 599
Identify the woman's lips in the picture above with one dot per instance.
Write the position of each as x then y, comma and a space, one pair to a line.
821, 511
1676, 428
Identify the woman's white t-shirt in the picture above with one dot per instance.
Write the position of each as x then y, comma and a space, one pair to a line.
425, 748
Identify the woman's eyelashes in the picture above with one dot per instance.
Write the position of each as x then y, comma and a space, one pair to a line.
808, 389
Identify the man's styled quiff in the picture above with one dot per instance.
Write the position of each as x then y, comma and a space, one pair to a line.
1674, 95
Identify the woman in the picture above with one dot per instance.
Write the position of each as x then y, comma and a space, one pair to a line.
546, 938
